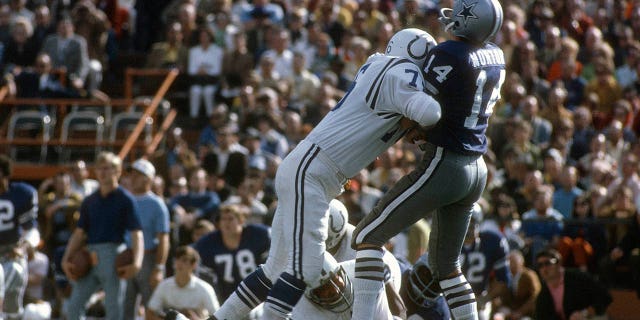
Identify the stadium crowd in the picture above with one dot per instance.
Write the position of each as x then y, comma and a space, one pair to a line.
563, 161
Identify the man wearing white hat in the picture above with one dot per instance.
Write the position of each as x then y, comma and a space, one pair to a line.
155, 229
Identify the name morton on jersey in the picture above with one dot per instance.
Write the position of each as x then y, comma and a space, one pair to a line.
487, 57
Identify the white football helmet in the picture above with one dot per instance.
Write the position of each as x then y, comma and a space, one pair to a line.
411, 43
423, 286
338, 221
474, 20
332, 290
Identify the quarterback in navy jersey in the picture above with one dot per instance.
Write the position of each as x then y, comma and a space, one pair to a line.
464, 75
466, 80
233, 252
18, 214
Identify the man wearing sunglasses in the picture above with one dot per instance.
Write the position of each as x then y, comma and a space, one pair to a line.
568, 294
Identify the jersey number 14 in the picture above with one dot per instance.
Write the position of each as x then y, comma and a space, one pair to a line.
478, 102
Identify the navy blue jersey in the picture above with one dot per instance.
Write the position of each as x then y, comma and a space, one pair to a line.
485, 257
466, 81
430, 310
224, 268
18, 212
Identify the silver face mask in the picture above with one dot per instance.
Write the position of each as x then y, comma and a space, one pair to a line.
477, 20
334, 293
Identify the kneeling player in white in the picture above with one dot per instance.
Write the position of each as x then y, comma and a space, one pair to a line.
332, 296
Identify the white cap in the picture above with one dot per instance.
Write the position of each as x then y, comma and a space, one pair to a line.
145, 167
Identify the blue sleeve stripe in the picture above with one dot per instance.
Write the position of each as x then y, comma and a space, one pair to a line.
375, 82
379, 84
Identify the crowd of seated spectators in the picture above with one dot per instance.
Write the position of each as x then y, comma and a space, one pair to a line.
564, 148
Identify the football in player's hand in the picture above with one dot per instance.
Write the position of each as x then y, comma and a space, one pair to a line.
81, 262
124, 258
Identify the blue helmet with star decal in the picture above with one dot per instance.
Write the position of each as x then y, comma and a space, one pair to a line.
474, 20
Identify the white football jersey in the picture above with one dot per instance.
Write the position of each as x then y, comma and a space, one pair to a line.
345, 252
307, 310
366, 121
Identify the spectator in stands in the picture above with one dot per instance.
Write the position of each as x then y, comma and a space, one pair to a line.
556, 109
227, 159
105, 216
553, 162
201, 228
184, 291
92, 24
360, 50
223, 29
198, 203
550, 52
294, 130
272, 141
171, 53
247, 196
626, 73
40, 83
520, 301
187, 15
505, 220
567, 293
154, 216
626, 253
237, 65
605, 85
568, 191
616, 146
147, 23
334, 19
583, 132
5, 23
542, 225
280, 52
234, 251
323, 55
568, 52
622, 111
592, 41
628, 176
19, 10
533, 82
265, 74
412, 15
68, 51
541, 127
175, 152
20, 51
80, 181
43, 25
205, 67
584, 239
304, 84
207, 139
520, 142
572, 82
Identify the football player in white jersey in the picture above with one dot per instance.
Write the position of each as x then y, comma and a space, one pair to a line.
385, 101
333, 297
